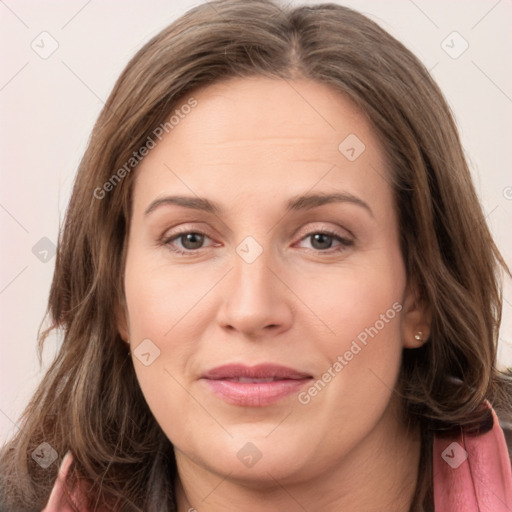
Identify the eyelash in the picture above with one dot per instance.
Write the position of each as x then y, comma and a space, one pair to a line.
345, 243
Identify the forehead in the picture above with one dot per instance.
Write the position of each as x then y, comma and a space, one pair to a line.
257, 111
258, 135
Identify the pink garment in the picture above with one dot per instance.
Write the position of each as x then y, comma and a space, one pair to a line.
471, 474
58, 501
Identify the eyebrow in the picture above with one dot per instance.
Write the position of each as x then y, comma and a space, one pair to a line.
297, 203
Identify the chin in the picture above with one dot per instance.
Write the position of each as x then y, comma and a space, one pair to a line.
278, 469
256, 459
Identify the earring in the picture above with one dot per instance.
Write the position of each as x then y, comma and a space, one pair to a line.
418, 337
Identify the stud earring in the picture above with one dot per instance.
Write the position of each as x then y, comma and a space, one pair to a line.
418, 337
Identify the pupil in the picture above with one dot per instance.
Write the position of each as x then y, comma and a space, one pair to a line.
189, 237
319, 237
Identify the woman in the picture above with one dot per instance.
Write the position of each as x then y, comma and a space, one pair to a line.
216, 354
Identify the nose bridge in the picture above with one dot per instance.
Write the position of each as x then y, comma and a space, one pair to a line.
255, 297
253, 279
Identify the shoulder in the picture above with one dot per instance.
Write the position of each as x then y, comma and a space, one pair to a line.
507, 431
473, 472
59, 500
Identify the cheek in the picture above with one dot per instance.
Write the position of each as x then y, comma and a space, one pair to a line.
158, 295
362, 352
159, 304
359, 303
361, 365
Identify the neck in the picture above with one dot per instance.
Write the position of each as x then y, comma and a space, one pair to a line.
379, 474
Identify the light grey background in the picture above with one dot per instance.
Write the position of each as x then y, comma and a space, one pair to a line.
48, 107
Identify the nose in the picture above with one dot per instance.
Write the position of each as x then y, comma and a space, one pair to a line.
257, 301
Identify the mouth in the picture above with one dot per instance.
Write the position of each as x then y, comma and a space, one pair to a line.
254, 386
253, 380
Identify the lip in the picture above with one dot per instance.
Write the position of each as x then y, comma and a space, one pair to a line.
254, 386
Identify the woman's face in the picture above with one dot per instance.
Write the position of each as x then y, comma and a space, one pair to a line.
274, 277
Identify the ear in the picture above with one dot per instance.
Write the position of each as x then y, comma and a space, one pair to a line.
121, 318
416, 319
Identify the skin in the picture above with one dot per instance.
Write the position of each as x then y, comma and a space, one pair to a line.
250, 145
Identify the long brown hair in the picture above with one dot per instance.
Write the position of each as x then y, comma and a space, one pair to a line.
89, 401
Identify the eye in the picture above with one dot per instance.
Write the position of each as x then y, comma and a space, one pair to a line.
191, 241
322, 241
